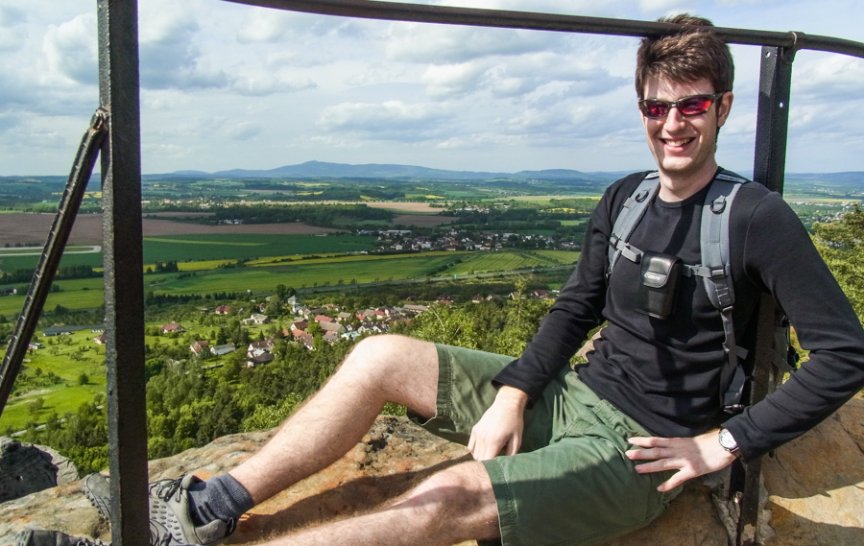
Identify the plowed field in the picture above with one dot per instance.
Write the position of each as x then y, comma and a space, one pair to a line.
32, 229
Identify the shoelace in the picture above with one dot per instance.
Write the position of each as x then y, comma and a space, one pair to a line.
165, 489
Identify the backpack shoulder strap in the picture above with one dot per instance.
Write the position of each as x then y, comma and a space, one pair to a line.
631, 213
716, 273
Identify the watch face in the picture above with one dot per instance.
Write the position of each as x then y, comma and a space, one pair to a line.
726, 440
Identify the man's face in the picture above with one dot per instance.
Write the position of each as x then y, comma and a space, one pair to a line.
684, 146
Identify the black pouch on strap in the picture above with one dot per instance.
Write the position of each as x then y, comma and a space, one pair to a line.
658, 286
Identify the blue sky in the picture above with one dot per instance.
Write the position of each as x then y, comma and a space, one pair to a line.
229, 86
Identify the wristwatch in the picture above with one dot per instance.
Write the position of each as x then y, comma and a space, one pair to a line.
727, 442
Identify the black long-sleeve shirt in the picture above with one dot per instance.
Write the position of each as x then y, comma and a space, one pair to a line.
665, 374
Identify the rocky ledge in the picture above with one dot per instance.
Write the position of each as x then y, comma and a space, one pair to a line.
815, 486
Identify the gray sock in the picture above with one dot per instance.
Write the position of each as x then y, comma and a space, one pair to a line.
222, 497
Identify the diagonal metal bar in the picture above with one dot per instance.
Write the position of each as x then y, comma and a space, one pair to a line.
424, 13
124, 283
52, 252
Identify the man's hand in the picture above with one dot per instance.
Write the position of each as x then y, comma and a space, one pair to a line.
691, 457
499, 431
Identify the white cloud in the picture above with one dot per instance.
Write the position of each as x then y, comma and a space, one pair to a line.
419, 43
12, 28
384, 121
70, 50
453, 79
261, 85
243, 130
825, 77
660, 5
264, 26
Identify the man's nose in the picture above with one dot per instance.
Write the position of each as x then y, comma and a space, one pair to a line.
674, 118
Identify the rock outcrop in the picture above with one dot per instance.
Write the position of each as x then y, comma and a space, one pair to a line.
815, 486
27, 468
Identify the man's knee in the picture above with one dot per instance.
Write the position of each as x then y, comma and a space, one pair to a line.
384, 354
399, 368
459, 497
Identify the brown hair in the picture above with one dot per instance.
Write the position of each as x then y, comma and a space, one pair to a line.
686, 55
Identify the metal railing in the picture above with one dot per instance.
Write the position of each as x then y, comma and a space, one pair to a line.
116, 130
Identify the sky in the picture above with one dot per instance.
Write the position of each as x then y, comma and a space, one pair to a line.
229, 86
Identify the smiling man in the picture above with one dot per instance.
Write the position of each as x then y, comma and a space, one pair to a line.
576, 456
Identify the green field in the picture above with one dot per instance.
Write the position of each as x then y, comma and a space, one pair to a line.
344, 270
67, 357
231, 246
490, 262
184, 248
263, 277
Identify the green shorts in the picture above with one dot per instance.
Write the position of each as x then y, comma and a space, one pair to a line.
571, 483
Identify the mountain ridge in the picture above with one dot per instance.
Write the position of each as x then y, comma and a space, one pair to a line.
395, 171
319, 169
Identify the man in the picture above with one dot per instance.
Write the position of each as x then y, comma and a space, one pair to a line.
564, 457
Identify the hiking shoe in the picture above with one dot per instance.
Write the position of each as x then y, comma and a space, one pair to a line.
39, 537
97, 489
170, 521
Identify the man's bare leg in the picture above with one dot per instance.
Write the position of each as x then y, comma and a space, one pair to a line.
453, 505
379, 369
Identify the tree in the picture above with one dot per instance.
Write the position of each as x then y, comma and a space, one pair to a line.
841, 244
34, 407
274, 306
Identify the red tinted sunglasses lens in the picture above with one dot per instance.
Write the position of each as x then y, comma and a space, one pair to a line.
694, 106
654, 108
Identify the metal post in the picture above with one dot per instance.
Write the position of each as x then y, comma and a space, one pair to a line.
769, 169
123, 260
775, 83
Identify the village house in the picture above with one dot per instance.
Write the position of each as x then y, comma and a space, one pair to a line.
371, 314
293, 304
200, 347
173, 328
223, 310
263, 358
307, 340
332, 326
219, 350
257, 318
260, 347
296, 325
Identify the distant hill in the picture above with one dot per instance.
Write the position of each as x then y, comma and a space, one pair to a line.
853, 180
850, 184
321, 169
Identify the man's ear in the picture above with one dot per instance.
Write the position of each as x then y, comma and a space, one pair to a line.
724, 107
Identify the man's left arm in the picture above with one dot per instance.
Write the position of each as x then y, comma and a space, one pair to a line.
779, 256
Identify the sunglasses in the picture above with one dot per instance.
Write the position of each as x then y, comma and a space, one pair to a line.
693, 105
